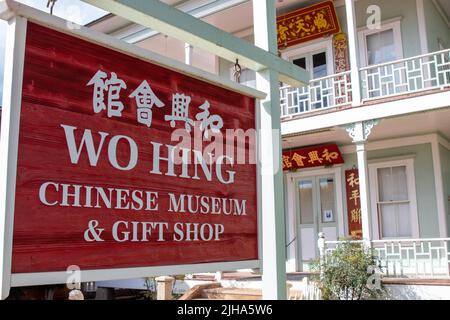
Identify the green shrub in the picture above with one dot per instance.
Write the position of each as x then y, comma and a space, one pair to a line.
347, 273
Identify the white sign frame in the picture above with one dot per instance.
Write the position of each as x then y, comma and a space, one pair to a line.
17, 16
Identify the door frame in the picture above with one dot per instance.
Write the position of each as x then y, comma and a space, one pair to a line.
293, 214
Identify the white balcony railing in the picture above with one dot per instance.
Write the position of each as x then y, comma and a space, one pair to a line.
406, 76
326, 92
411, 258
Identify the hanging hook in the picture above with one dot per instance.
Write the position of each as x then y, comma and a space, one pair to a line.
237, 71
51, 4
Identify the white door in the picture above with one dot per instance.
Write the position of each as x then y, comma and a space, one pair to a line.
317, 212
315, 63
318, 66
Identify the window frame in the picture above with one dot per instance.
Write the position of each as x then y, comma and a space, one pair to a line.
412, 195
307, 51
394, 25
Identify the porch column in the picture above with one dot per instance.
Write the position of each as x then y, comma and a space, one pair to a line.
353, 51
359, 132
188, 53
271, 182
363, 174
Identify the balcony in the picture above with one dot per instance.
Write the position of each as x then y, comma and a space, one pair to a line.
322, 93
404, 77
408, 258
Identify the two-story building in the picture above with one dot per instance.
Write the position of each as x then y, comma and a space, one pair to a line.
367, 143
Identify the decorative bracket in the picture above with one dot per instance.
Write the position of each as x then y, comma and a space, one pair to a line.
360, 131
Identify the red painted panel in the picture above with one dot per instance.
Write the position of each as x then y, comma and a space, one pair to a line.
55, 91
353, 203
307, 24
309, 157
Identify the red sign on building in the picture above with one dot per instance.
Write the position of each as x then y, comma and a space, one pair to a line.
98, 182
310, 157
341, 57
353, 203
307, 24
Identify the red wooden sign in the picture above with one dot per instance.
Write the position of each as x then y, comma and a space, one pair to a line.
307, 24
353, 203
309, 157
341, 58
98, 182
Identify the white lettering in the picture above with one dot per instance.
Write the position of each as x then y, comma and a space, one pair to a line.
86, 140
125, 234
42, 191
112, 153
219, 163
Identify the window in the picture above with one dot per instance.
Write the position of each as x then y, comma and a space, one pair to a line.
306, 202
394, 211
301, 62
393, 202
317, 59
381, 45
315, 63
327, 200
319, 65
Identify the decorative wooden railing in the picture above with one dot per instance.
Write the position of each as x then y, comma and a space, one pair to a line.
396, 78
410, 258
322, 93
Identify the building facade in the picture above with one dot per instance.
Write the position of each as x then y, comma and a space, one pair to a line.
379, 93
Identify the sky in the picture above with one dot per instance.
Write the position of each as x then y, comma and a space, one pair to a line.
73, 10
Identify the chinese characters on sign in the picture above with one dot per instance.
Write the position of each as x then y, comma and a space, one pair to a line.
145, 99
353, 203
113, 176
342, 64
307, 24
341, 59
311, 157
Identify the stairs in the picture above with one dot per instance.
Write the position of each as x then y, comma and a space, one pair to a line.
231, 294
214, 291
297, 290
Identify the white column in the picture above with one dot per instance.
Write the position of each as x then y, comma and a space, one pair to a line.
292, 263
271, 182
188, 53
353, 50
359, 132
421, 21
363, 174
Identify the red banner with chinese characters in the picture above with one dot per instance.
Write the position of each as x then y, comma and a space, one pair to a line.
307, 24
98, 185
341, 59
309, 157
353, 203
